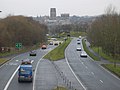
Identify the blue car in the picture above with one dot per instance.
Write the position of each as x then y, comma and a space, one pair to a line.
25, 73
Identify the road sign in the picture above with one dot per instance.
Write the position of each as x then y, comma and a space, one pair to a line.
18, 45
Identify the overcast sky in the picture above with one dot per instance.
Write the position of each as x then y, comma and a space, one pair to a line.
42, 7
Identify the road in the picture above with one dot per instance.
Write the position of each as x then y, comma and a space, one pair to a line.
7, 71
48, 75
92, 76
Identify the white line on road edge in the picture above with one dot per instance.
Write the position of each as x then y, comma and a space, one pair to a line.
74, 73
36, 70
8, 83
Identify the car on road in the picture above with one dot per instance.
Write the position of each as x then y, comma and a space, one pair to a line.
25, 73
26, 62
78, 39
83, 54
78, 42
44, 47
56, 44
78, 49
33, 53
51, 43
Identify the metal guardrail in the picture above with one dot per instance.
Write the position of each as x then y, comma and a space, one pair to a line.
66, 81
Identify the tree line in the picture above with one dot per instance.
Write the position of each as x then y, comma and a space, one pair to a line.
25, 30
104, 32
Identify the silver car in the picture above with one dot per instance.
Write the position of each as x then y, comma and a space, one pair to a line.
79, 49
83, 54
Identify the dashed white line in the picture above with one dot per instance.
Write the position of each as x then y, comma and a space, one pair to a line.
83, 63
101, 81
86, 67
92, 73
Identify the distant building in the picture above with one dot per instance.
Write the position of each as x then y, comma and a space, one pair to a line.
65, 15
52, 13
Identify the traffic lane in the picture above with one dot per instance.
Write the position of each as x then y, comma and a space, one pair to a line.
14, 82
68, 75
7, 70
102, 74
87, 75
6, 73
80, 70
108, 80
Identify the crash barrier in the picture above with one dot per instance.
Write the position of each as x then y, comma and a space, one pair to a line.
67, 82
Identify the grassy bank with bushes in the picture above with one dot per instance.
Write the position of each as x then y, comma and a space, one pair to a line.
105, 56
59, 52
88, 52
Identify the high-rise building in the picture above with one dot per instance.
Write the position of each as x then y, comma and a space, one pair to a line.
52, 13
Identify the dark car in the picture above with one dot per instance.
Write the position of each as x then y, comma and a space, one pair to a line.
78, 42
55, 44
33, 53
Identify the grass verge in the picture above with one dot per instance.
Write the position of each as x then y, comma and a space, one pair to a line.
60, 88
88, 52
111, 68
101, 53
2, 60
58, 52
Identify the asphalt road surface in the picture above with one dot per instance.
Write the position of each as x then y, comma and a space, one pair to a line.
9, 74
92, 76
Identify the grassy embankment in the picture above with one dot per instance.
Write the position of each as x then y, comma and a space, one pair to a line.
88, 52
110, 67
60, 88
2, 60
58, 52
101, 53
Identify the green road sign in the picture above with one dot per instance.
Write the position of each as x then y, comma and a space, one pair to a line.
18, 45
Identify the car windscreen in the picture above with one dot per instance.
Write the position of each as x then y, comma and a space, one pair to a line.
25, 70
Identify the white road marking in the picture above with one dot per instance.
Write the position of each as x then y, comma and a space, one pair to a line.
93, 73
83, 63
101, 81
86, 67
8, 83
17, 60
32, 61
75, 74
13, 63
